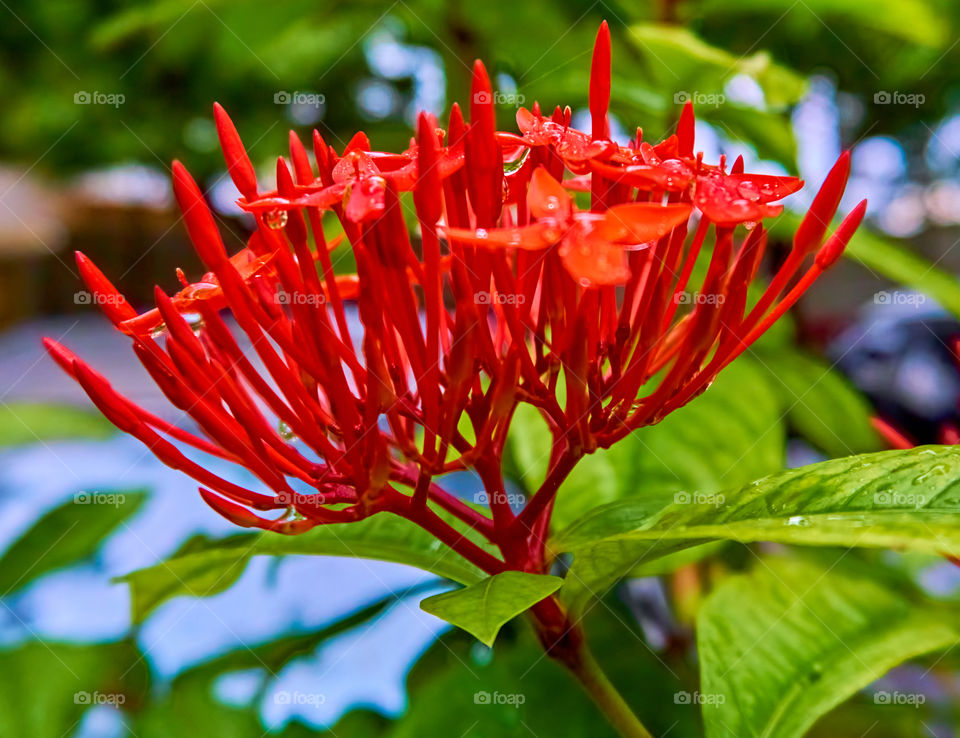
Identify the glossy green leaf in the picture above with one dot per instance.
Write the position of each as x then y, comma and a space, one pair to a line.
66, 535
209, 567
730, 435
785, 644
820, 403
482, 608
22, 423
892, 499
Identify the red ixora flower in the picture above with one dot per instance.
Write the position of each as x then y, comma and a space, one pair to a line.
509, 293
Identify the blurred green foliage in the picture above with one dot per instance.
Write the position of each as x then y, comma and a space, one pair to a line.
170, 59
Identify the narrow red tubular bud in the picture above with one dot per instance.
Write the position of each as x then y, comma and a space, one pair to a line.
359, 142
600, 83
239, 515
105, 295
428, 199
238, 163
197, 217
685, 131
106, 400
838, 241
295, 229
810, 234
301, 162
427, 195
65, 360
321, 154
484, 168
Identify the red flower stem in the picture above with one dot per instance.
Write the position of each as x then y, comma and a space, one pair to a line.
403, 506
560, 468
565, 642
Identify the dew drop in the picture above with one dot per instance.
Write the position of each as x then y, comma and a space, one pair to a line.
286, 433
159, 332
195, 321
798, 520
275, 219
749, 191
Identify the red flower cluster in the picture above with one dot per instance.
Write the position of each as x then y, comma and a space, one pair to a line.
509, 292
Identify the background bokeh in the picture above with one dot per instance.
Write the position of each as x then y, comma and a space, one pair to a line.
98, 99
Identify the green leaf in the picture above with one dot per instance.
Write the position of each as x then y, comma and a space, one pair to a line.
461, 688
821, 404
782, 646
22, 423
730, 435
528, 447
482, 608
45, 688
892, 499
683, 61
209, 567
65, 535
917, 21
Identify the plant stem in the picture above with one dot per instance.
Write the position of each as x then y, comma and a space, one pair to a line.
565, 642
606, 697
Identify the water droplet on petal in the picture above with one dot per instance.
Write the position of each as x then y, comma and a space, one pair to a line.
749, 191
275, 219
285, 431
